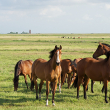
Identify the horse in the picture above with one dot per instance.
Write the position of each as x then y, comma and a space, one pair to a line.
49, 71
22, 68
102, 49
66, 69
97, 70
74, 66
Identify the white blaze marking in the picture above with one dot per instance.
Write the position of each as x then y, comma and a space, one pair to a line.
58, 60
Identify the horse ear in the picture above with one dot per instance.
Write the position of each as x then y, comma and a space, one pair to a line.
60, 47
100, 44
55, 46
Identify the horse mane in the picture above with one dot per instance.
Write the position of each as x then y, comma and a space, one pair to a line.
106, 44
52, 52
107, 55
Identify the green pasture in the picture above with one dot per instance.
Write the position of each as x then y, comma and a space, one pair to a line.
32, 46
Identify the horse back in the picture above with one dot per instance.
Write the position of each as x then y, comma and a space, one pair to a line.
26, 66
38, 68
92, 68
66, 65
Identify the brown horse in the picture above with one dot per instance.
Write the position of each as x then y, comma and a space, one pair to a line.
66, 69
48, 71
22, 68
102, 49
74, 66
97, 70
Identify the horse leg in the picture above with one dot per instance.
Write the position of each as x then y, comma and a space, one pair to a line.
40, 87
69, 75
78, 86
105, 86
85, 86
47, 92
63, 78
59, 80
73, 78
102, 89
92, 86
26, 80
36, 87
53, 92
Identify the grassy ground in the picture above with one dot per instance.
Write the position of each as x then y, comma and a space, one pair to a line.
23, 47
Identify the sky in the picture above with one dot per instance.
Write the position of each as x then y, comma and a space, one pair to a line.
55, 16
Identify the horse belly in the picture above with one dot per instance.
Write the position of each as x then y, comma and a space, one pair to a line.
94, 74
39, 71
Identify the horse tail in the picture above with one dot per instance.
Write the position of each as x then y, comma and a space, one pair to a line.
75, 81
32, 79
32, 83
16, 75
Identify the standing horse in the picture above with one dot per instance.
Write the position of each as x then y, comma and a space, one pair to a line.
97, 70
48, 71
74, 66
102, 49
22, 68
66, 69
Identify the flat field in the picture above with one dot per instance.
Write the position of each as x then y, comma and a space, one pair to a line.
32, 46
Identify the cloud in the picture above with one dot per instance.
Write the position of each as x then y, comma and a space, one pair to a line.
51, 11
87, 17
107, 6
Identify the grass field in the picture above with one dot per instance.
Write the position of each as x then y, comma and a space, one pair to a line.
23, 47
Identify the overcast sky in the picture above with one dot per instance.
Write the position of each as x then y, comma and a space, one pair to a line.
55, 16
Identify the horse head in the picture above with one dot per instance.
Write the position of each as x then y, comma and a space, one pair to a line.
58, 54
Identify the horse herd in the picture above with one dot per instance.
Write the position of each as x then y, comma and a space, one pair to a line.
55, 70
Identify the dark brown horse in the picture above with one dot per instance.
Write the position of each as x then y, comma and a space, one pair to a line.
48, 71
97, 70
22, 68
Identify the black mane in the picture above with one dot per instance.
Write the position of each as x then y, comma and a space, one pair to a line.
52, 52
106, 44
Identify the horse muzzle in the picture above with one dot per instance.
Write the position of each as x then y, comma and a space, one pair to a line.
57, 63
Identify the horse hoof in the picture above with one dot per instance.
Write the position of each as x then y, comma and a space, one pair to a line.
36, 97
53, 104
106, 101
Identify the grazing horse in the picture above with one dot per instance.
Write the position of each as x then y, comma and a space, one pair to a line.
22, 68
97, 70
102, 49
66, 69
48, 71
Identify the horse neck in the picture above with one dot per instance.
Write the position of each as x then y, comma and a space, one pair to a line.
52, 63
106, 49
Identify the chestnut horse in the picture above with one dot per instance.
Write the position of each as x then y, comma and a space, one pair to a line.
67, 69
97, 70
102, 49
48, 71
74, 66
22, 68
